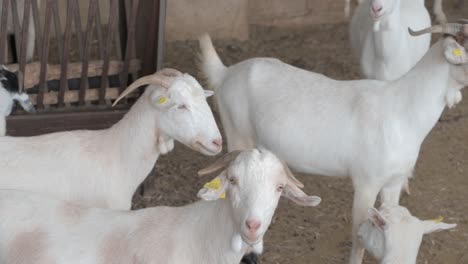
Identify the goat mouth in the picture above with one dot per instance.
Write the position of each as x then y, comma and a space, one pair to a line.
251, 242
198, 146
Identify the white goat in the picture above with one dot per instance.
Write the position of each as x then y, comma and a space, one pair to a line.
9, 94
393, 236
41, 230
380, 39
368, 130
31, 30
437, 9
103, 168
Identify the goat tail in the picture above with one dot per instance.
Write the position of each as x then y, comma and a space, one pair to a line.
210, 64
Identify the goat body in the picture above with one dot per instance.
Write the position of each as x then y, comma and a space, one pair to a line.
103, 168
389, 52
369, 130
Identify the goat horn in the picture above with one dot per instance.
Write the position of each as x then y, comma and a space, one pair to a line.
450, 28
155, 78
220, 163
170, 72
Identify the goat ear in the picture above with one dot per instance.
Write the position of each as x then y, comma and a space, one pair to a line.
161, 100
25, 102
214, 189
454, 52
376, 218
291, 178
431, 226
293, 193
208, 93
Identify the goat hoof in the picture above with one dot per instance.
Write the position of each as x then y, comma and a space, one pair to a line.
250, 259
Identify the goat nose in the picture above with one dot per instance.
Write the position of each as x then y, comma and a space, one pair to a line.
377, 8
253, 225
218, 142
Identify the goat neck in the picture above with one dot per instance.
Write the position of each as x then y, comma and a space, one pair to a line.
135, 137
420, 96
388, 40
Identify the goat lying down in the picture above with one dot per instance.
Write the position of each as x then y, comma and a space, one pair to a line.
9, 94
103, 168
393, 235
368, 130
213, 231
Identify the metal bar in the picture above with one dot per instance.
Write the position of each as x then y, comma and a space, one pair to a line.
110, 31
78, 29
98, 26
37, 28
161, 34
16, 27
45, 54
58, 29
130, 44
87, 43
122, 32
65, 54
4, 32
25, 40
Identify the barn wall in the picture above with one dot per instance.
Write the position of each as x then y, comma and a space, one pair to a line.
187, 19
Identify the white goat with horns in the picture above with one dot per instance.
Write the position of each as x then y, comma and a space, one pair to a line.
393, 236
104, 168
368, 130
213, 231
380, 40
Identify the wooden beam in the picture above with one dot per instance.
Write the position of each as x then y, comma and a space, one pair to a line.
31, 76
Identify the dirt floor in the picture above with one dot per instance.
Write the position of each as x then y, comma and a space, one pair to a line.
323, 234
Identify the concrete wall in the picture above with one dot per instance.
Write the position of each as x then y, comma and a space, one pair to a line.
187, 19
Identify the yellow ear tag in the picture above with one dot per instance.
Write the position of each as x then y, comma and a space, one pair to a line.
457, 52
162, 100
438, 219
215, 184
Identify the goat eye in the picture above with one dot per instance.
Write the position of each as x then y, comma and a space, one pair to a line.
182, 107
280, 188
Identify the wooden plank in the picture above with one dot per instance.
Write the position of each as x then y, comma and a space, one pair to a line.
51, 98
31, 125
74, 70
4, 32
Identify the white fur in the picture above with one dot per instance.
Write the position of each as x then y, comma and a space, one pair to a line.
393, 236
103, 168
383, 46
368, 130
438, 9
197, 233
